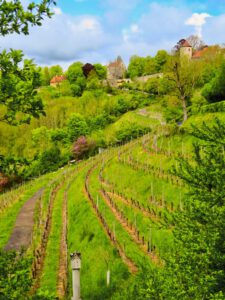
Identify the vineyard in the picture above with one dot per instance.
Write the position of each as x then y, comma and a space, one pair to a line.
116, 208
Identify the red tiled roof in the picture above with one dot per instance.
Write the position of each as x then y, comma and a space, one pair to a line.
199, 53
185, 44
58, 79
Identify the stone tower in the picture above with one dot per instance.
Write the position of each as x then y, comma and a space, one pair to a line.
116, 70
186, 49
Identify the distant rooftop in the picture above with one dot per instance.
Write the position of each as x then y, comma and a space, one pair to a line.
58, 79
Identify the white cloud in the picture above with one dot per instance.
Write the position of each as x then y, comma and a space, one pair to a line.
197, 20
135, 28
57, 10
62, 38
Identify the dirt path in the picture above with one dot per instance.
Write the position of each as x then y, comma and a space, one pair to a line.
22, 232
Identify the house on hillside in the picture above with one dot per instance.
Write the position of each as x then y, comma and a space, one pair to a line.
57, 80
116, 70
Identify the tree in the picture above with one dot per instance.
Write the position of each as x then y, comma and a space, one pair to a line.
45, 76
77, 126
214, 91
87, 69
14, 18
161, 59
76, 78
19, 100
55, 71
196, 42
195, 269
184, 74
152, 86
74, 72
150, 66
136, 66
82, 147
18, 96
101, 71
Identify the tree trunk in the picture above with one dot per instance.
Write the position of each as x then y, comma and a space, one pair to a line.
184, 107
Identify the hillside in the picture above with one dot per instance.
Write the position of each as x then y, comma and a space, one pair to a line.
118, 207
124, 166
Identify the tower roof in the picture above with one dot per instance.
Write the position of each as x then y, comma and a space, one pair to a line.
185, 43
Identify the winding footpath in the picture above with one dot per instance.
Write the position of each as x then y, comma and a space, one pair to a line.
21, 236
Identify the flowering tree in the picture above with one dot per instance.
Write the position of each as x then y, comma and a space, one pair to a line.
82, 147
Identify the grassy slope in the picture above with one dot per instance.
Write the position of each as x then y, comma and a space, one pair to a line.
86, 234
8, 216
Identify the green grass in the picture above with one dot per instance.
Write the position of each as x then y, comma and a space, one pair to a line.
48, 280
151, 119
8, 217
85, 234
131, 249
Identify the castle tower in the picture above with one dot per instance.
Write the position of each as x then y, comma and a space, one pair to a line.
186, 49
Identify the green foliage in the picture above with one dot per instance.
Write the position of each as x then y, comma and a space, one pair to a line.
55, 71
140, 66
15, 276
101, 71
136, 66
45, 76
196, 269
77, 126
49, 160
185, 76
161, 59
130, 130
19, 101
14, 18
213, 107
152, 86
76, 78
214, 91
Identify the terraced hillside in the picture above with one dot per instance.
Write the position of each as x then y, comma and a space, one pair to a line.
115, 208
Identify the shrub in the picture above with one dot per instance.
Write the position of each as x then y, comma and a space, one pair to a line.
83, 147
77, 126
130, 130
15, 275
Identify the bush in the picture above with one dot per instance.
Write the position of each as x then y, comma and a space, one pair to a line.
214, 91
15, 275
214, 107
83, 147
130, 131
77, 126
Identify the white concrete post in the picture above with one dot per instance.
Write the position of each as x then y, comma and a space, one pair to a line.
76, 266
108, 278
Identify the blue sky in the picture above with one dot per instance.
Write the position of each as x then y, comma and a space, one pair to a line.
99, 30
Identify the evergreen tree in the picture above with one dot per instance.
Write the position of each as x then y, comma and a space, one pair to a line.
196, 268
